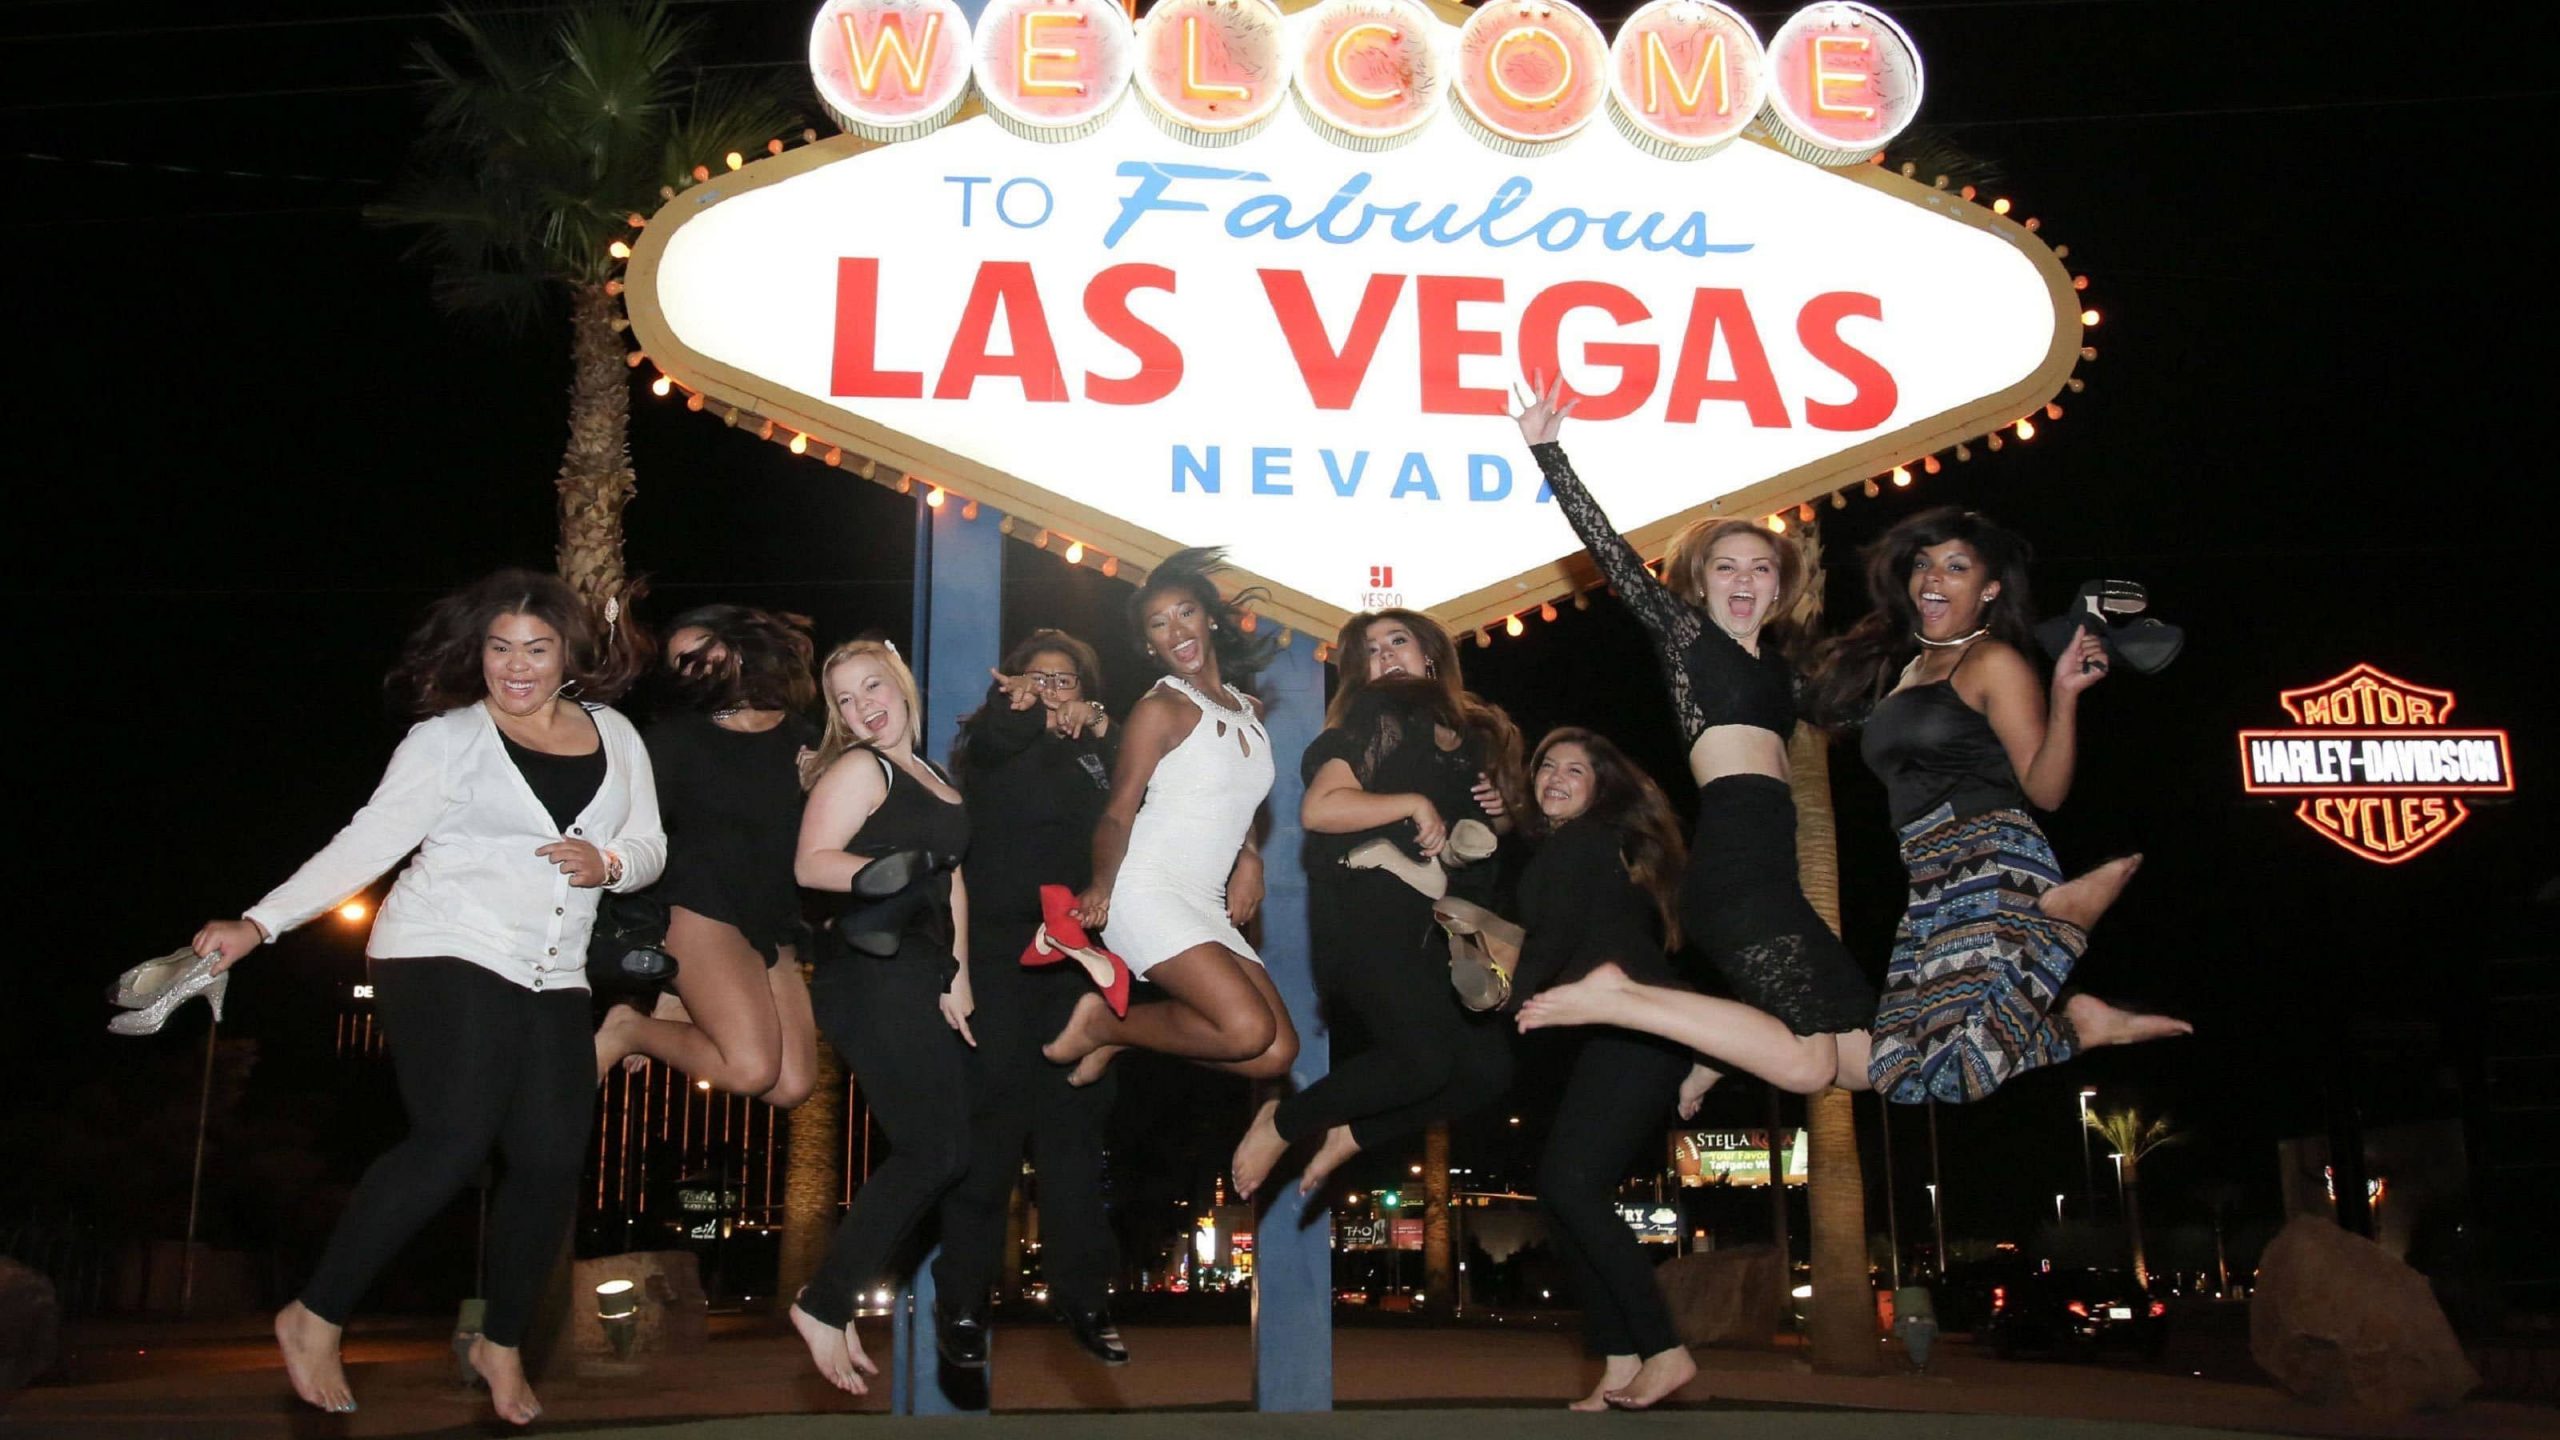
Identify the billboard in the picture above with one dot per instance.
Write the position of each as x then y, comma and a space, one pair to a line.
1732, 1157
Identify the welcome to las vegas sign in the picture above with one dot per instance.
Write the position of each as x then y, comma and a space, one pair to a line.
1233, 276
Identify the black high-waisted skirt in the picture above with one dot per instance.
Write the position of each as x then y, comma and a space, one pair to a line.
1741, 904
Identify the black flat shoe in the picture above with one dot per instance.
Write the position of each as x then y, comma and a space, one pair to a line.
962, 1338
1096, 1335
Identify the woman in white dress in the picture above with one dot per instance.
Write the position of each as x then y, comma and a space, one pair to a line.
1175, 871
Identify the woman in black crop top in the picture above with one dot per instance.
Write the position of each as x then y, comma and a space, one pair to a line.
1965, 738
1718, 631
1406, 755
727, 759
1601, 890
899, 1019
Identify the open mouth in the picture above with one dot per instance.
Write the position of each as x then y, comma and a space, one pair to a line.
517, 689
1933, 607
1186, 653
875, 721
1742, 605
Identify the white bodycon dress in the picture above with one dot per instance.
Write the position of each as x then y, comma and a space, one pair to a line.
1171, 893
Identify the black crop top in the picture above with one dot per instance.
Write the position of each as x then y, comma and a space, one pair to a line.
1932, 749
1713, 680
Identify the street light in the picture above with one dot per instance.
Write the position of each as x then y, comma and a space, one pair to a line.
1938, 1223
2088, 1166
2118, 1157
2057, 1207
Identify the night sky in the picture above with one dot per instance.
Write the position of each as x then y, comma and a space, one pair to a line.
247, 452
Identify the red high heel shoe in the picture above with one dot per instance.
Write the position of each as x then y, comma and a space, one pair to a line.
1061, 937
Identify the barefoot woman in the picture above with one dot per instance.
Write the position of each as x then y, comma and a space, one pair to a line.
519, 803
1174, 868
1406, 755
728, 766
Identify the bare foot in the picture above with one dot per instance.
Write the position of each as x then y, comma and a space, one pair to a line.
2082, 900
833, 1349
1656, 1379
310, 1346
614, 1039
1616, 1373
1081, 1035
1694, 1087
1598, 998
502, 1368
2100, 1023
1260, 1149
1089, 1070
1338, 1146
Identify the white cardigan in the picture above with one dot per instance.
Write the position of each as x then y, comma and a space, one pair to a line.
476, 890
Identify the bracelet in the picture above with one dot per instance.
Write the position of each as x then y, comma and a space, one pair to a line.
612, 868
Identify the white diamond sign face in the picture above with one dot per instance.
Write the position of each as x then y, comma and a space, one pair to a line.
1304, 352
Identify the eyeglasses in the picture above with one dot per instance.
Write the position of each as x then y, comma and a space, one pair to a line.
1056, 679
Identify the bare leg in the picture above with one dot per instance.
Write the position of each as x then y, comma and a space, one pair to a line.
799, 1070
1339, 1145
502, 1368
735, 1040
310, 1346
2100, 1023
1725, 1031
1656, 1379
2081, 901
1224, 1013
1617, 1372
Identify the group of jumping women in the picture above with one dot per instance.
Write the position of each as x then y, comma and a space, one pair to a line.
982, 925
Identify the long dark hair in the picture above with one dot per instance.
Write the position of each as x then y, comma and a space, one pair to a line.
1626, 799
766, 664
439, 669
1193, 572
1443, 688
1851, 673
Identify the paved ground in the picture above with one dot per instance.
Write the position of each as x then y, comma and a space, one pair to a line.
1465, 1383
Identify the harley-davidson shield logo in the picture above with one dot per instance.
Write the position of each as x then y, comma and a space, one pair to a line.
2378, 770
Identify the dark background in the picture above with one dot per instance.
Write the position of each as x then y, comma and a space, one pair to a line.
247, 452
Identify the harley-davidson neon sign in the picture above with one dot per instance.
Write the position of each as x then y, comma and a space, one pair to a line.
2379, 772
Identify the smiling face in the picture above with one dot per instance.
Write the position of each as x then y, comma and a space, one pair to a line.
868, 699
1742, 583
1564, 782
1950, 590
1177, 630
1394, 649
523, 661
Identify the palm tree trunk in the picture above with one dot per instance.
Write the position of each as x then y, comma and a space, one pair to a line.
812, 1179
2133, 1219
1439, 1247
1843, 1319
596, 479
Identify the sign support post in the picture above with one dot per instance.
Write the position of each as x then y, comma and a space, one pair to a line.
1293, 1237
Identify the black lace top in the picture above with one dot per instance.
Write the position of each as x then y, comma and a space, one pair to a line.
1713, 680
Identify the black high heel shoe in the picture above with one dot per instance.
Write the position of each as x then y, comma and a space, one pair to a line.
961, 1337
2147, 645
886, 895
1095, 1334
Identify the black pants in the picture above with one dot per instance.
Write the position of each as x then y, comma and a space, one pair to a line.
911, 1068
1616, 1102
1379, 956
1018, 1101
483, 1064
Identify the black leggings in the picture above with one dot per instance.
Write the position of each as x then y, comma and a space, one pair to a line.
883, 1018
1018, 1100
1615, 1103
1379, 955
483, 1063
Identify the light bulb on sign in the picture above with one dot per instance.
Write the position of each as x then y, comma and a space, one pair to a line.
1513, 628
734, 160
662, 387
1547, 612
799, 444
969, 511
1110, 566
1075, 552
2088, 319
933, 497
773, 146
693, 401
1777, 524
2026, 429
618, 250
2053, 409
1902, 473
1930, 464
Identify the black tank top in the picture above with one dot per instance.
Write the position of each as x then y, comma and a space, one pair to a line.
1932, 749
912, 817
563, 783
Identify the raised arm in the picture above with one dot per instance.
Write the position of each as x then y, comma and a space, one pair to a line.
2043, 739
1670, 619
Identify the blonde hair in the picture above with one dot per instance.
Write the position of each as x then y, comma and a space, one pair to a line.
1684, 568
840, 737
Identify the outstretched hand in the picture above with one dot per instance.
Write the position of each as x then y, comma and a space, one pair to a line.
1542, 408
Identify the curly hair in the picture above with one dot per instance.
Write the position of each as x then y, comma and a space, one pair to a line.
1850, 673
440, 667
1444, 685
1241, 652
1626, 799
763, 664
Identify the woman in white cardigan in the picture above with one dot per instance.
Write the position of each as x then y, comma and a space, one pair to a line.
522, 797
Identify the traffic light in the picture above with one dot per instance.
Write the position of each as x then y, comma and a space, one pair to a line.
1391, 1199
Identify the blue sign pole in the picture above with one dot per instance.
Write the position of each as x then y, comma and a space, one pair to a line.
1293, 1239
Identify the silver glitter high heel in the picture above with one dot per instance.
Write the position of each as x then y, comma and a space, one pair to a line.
197, 978
143, 983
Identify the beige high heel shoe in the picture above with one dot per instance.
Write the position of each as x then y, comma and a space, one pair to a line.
143, 983
1423, 875
1469, 841
197, 977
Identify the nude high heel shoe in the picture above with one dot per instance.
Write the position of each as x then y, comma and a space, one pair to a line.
1469, 841
197, 978
143, 983
1424, 875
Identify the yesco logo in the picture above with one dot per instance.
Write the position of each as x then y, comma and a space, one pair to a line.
2378, 769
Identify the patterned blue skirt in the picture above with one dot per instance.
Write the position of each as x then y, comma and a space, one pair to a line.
1970, 994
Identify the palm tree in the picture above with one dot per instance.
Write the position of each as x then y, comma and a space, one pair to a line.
1842, 1322
546, 133
2133, 1137
1439, 1241
812, 1179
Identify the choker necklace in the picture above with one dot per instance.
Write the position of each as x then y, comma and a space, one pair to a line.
1950, 644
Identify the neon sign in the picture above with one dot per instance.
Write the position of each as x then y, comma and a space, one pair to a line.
2379, 772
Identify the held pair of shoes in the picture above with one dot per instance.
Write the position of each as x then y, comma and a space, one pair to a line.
887, 894
154, 990
962, 1337
1469, 841
1062, 937
2148, 645
1484, 952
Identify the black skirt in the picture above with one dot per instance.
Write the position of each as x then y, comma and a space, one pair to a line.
1741, 903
